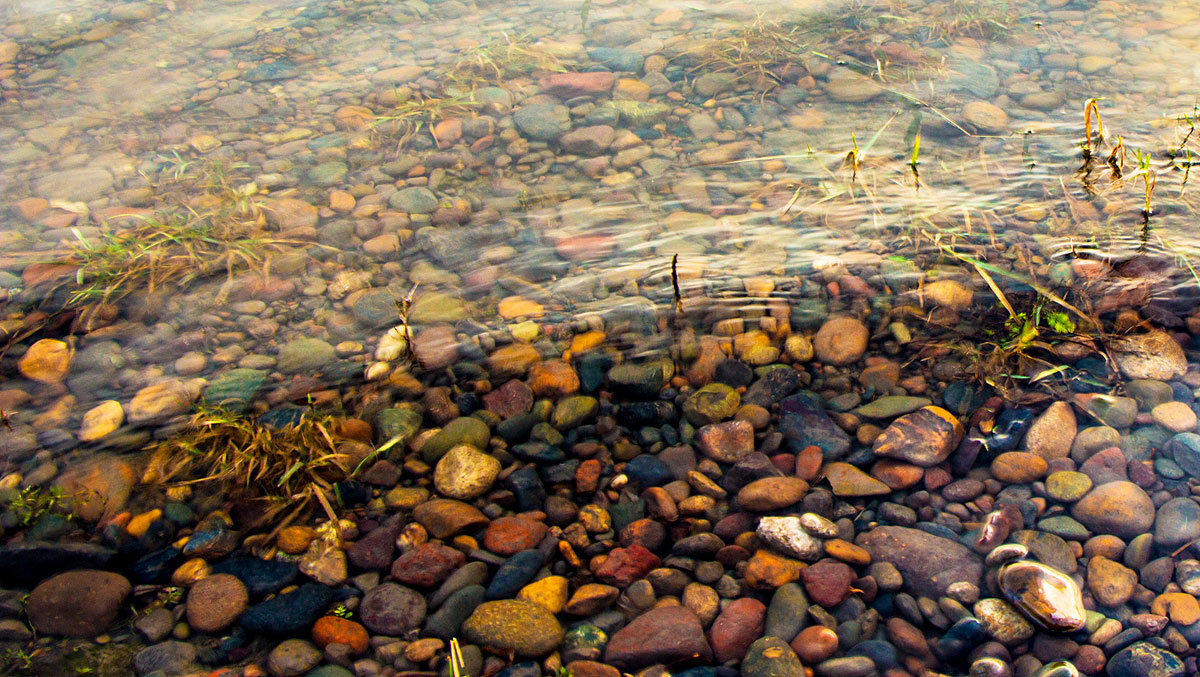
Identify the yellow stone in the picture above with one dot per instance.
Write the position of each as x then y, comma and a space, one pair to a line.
631, 88
295, 540
161, 400
56, 415
586, 341
669, 16
101, 421
550, 593
512, 307
190, 571
526, 331
595, 519
138, 526
46, 361
759, 286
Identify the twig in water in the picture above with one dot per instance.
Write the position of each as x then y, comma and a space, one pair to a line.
675, 283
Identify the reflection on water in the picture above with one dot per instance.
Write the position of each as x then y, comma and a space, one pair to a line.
250, 194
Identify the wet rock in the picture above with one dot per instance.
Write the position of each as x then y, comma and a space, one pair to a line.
788, 536
568, 85
293, 657
98, 488
1119, 508
925, 437
930, 564
771, 657
75, 185
1177, 522
712, 403
1176, 417
847, 480
771, 493
509, 535
215, 602
846, 86
523, 628
804, 423
465, 430
391, 609
1048, 596
1051, 434
1143, 659
986, 117
841, 341
666, 635
626, 565
415, 200
1110, 583
81, 603
543, 122
169, 658
1153, 355
427, 565
289, 613
465, 473
1003, 622
161, 400
335, 630
727, 442
46, 361
736, 628
828, 582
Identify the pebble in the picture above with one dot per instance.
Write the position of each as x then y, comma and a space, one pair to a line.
840, 341
215, 602
523, 628
1119, 508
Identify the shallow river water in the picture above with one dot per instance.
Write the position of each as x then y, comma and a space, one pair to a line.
637, 282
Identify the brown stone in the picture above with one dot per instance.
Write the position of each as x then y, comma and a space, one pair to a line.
929, 563
815, 643
727, 442
1111, 583
1119, 508
1019, 467
626, 565
828, 582
215, 602
663, 635
336, 630
444, 517
841, 341
925, 437
766, 571
427, 564
847, 480
735, 629
509, 535
81, 603
553, 378
896, 474
771, 493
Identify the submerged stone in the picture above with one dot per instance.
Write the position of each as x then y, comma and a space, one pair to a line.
1048, 596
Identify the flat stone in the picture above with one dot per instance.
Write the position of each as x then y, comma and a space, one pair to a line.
663, 635
930, 564
847, 480
82, 603
925, 437
523, 628
1052, 433
1119, 508
1153, 355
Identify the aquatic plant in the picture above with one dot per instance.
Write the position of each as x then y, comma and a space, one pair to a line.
758, 51
415, 112
502, 59
32, 502
293, 466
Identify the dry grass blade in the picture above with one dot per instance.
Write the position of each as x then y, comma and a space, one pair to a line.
296, 463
